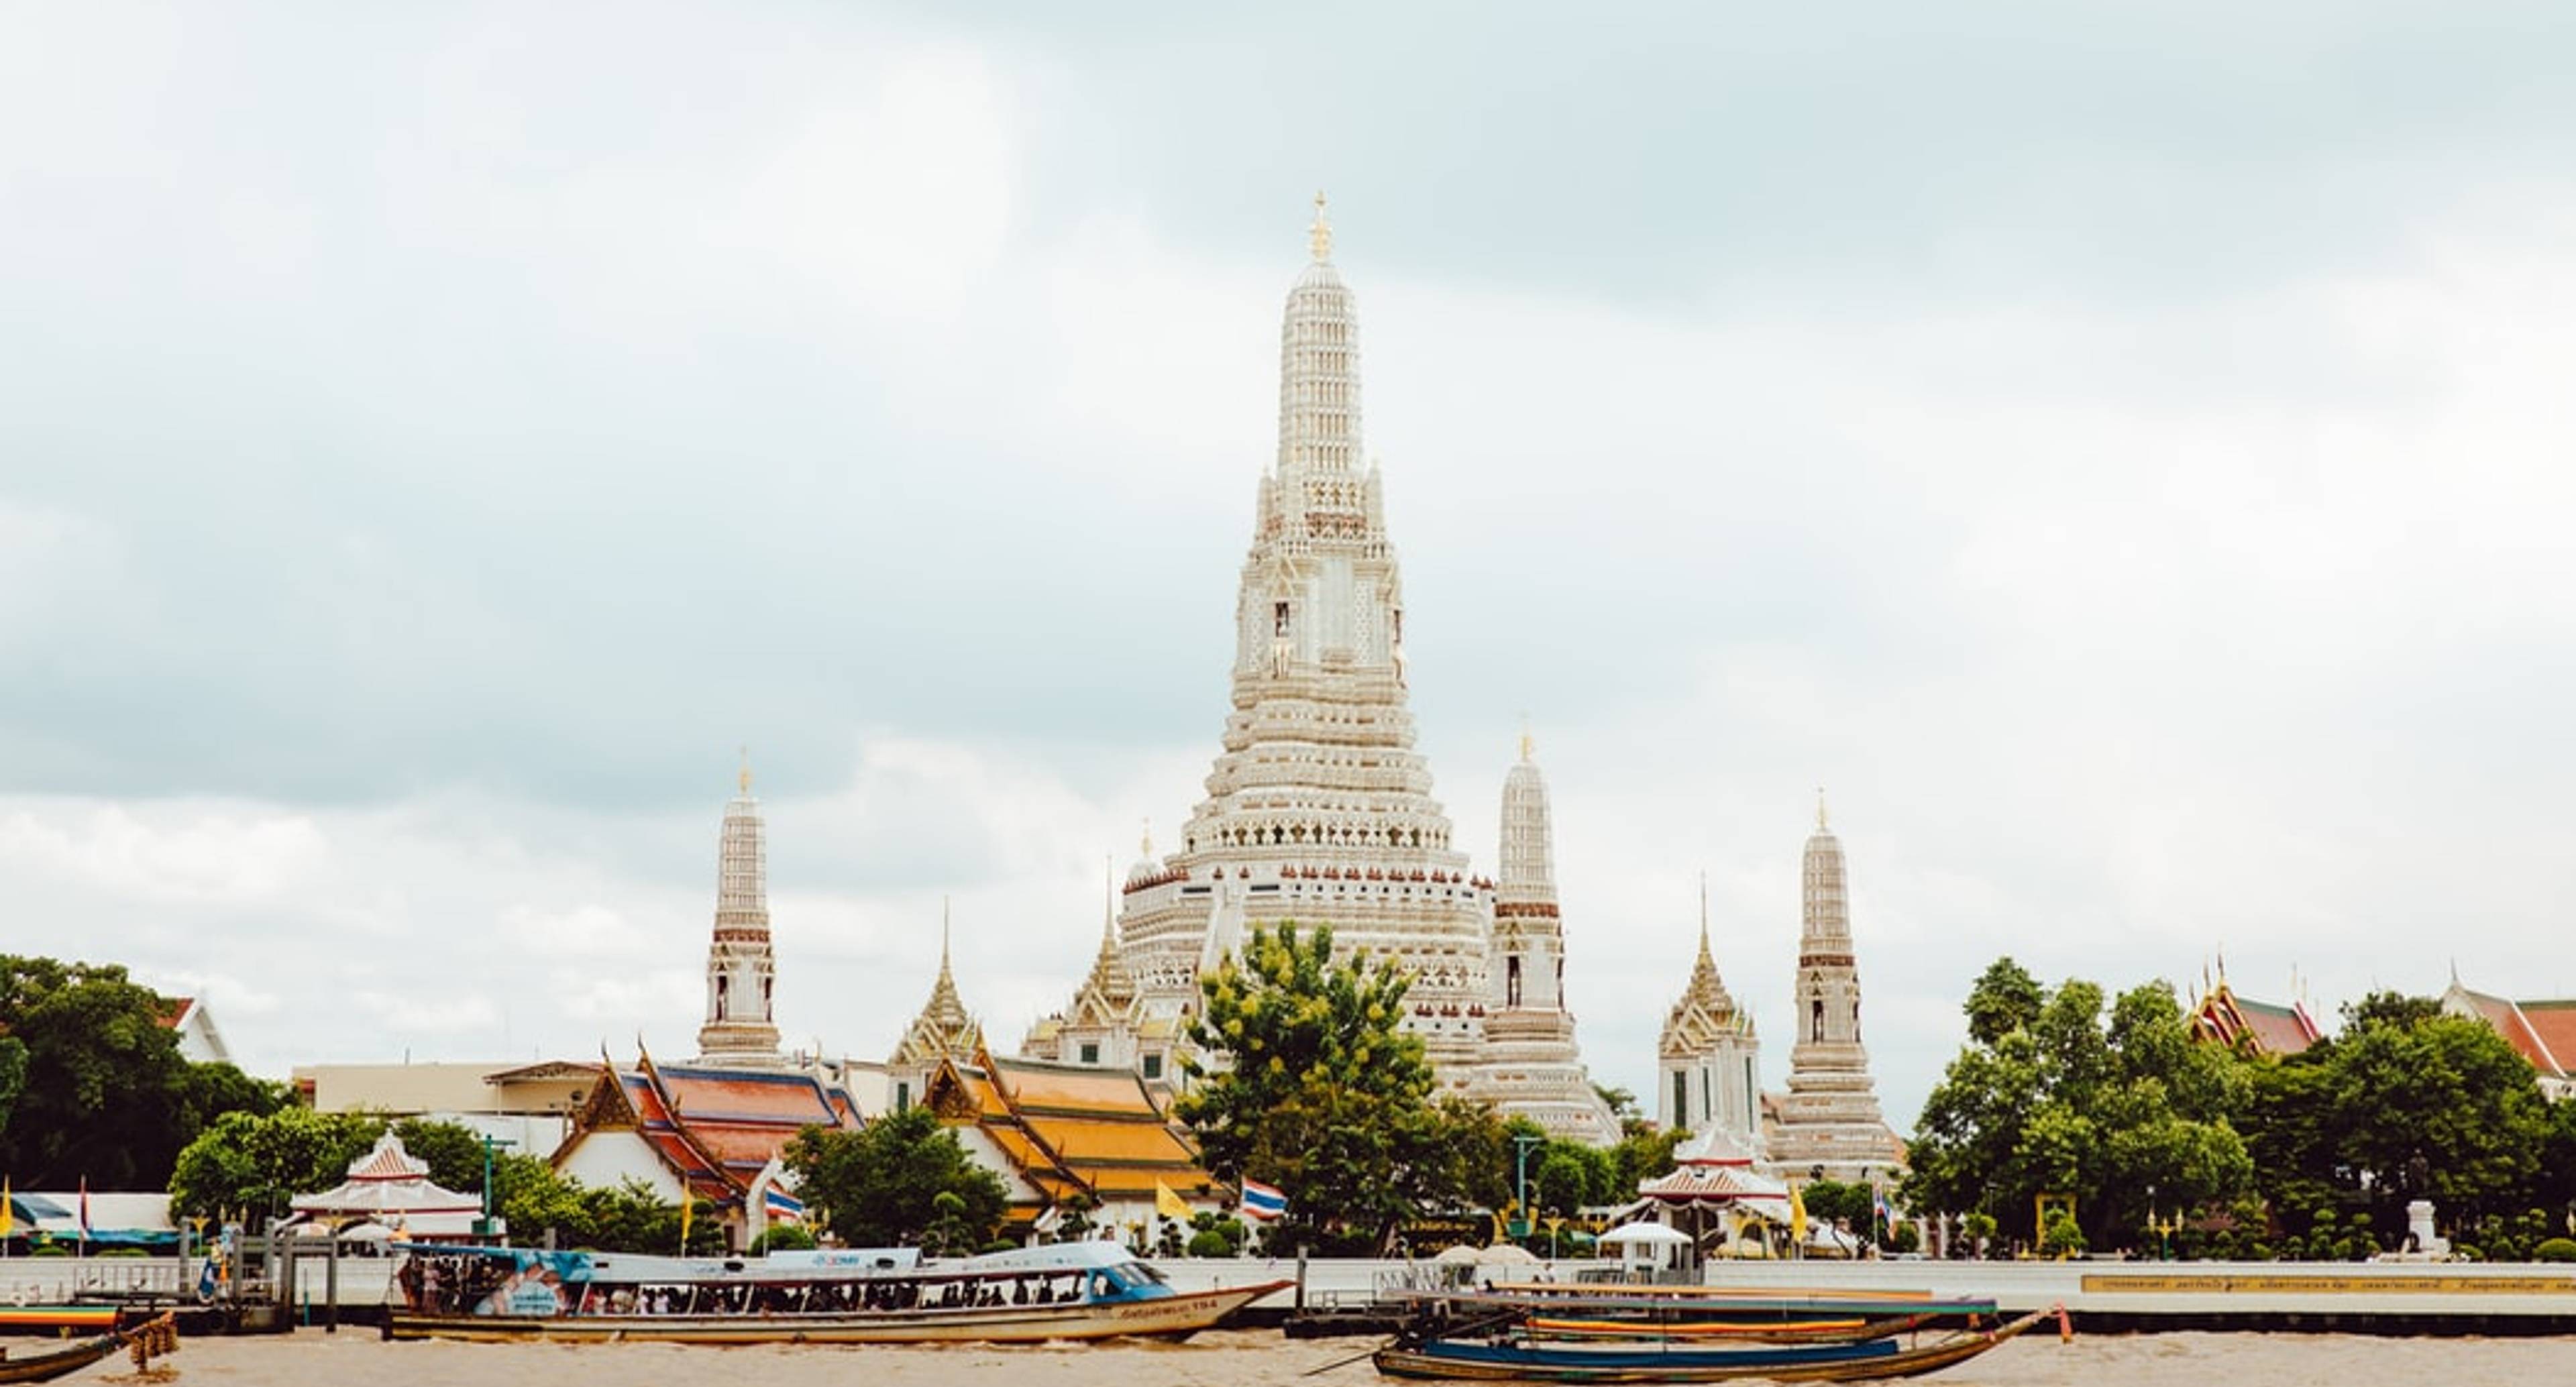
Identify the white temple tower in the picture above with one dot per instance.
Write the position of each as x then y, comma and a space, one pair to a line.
1531, 1067
740, 1028
1830, 1115
1708, 1059
1318, 809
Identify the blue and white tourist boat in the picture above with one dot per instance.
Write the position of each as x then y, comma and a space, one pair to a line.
1081, 1290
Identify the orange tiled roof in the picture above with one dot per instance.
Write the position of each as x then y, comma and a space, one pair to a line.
1040, 1086
2553, 1024
2262, 1027
716, 1129
2529, 1027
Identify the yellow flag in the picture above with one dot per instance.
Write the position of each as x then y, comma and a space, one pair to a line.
8, 1211
1168, 1204
688, 1206
1797, 1217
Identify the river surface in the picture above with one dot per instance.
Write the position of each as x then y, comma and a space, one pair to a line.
1262, 1358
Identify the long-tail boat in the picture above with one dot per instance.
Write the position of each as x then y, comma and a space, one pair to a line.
145, 1340
1083, 1290
1508, 1355
1697, 1313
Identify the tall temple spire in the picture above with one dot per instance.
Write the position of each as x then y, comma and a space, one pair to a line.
1319, 373
1318, 809
1531, 1067
1830, 1116
741, 971
1528, 857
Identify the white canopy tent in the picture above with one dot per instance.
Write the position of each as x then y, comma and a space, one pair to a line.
391, 1187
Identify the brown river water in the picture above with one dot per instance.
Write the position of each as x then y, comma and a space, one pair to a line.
1257, 1358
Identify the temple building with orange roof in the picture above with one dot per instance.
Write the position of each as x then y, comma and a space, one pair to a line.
1058, 1133
2250, 1027
2543, 1032
715, 1133
714, 1129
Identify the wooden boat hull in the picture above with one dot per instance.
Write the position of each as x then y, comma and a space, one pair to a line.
1163, 1317
1526, 1362
157, 1335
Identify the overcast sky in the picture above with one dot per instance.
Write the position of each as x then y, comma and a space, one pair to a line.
2121, 453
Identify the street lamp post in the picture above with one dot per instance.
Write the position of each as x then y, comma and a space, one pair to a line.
1522, 1145
483, 1226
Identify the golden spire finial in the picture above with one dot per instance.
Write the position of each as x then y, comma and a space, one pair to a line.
1526, 742
744, 777
1319, 237
1820, 809
1145, 841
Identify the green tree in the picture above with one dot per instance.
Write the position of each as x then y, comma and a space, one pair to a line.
1318, 1090
1641, 1155
454, 1151
2437, 1107
250, 1166
2006, 998
13, 1077
2055, 1094
880, 1186
781, 1237
102, 1084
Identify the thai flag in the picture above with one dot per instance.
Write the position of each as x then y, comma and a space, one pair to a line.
1886, 1211
1264, 1202
781, 1206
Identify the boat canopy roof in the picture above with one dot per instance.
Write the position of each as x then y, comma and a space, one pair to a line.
1073, 1256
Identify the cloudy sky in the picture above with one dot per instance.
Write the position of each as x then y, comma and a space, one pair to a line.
2123, 456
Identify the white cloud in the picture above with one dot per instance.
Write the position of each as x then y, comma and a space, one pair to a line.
600, 401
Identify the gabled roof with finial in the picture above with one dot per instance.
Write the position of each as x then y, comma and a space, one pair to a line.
944, 1026
1109, 995
1705, 1012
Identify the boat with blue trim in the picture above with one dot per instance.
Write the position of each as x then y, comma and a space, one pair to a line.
1079, 1290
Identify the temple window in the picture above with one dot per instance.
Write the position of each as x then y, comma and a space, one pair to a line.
1816, 1019
1153, 1066
1681, 1101
1512, 981
1091, 1052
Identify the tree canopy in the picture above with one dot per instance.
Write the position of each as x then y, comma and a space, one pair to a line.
2054, 1095
902, 1179
2405, 1103
92, 1084
1317, 1089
